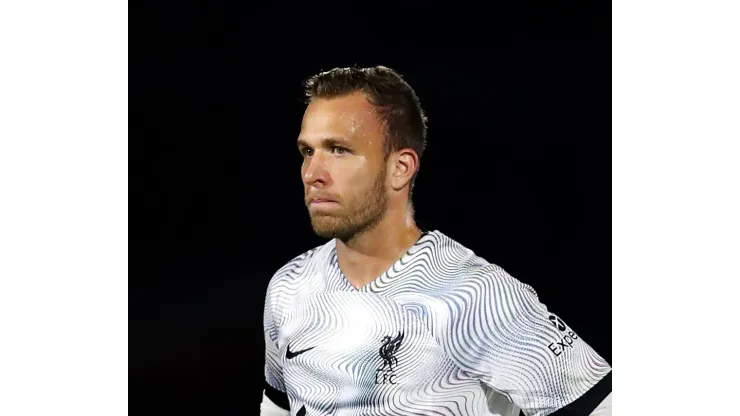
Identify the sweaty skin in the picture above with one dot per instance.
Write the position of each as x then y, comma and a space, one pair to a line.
369, 213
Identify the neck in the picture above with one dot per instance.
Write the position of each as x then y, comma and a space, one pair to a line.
366, 256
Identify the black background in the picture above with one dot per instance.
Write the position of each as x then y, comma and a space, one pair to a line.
517, 168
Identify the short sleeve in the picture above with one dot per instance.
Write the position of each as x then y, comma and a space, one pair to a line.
277, 300
273, 363
510, 341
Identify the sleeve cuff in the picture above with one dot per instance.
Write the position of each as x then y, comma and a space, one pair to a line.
586, 404
278, 397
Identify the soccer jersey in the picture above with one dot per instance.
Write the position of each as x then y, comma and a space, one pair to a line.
441, 332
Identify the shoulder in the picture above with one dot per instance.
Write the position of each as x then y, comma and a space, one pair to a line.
294, 272
294, 279
490, 287
500, 280
477, 276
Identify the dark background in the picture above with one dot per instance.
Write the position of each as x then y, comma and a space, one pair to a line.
517, 168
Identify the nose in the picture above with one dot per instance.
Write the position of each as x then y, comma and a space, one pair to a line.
314, 171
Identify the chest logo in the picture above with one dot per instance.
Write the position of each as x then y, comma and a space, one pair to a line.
292, 354
391, 345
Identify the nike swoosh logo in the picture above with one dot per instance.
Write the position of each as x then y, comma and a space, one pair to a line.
292, 354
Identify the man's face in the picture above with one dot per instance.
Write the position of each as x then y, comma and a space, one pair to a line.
343, 170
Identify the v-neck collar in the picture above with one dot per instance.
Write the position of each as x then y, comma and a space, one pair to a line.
381, 282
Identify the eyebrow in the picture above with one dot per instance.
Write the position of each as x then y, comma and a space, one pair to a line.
327, 142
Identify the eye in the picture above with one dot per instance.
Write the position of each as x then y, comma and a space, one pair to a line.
305, 151
339, 150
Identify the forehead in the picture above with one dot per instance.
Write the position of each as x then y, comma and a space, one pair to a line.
350, 116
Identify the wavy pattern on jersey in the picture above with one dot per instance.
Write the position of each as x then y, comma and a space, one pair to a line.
292, 282
346, 355
430, 389
496, 327
467, 321
277, 298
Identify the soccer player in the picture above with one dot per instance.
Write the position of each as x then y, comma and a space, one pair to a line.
389, 319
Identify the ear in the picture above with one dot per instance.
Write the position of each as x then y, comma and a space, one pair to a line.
404, 164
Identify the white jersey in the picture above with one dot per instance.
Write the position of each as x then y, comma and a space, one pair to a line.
442, 332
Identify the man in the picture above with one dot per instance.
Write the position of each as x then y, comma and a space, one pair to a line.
385, 319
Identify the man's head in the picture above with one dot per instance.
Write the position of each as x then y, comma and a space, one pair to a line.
362, 136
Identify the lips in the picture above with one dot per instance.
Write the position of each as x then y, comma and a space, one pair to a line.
323, 204
321, 199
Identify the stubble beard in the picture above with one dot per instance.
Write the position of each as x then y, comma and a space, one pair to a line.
364, 217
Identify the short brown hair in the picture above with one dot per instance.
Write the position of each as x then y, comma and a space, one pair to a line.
396, 102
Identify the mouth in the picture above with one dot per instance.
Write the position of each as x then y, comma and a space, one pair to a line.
322, 203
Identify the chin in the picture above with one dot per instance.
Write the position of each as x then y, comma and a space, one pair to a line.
330, 227
324, 230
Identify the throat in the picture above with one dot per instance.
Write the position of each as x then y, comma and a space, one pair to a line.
359, 273
361, 267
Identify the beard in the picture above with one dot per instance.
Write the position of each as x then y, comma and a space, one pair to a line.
361, 215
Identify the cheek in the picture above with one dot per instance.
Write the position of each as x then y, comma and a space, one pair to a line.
351, 173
